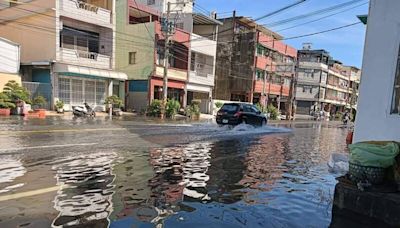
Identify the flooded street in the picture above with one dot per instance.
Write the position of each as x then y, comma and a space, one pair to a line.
140, 173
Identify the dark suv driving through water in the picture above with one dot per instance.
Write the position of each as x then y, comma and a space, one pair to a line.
237, 113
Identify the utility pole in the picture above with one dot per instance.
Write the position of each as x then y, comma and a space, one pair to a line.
292, 91
166, 27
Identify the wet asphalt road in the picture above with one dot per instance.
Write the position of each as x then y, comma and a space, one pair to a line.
137, 172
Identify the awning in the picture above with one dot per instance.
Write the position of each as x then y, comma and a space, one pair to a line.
87, 71
363, 18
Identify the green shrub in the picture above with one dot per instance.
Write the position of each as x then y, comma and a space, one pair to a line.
273, 112
60, 104
219, 104
193, 110
5, 101
16, 92
261, 108
114, 100
39, 101
172, 108
154, 108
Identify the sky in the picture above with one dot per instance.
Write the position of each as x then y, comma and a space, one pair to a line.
345, 45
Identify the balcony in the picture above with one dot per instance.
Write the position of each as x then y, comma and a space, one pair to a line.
83, 11
173, 73
313, 65
203, 45
272, 88
84, 58
263, 62
203, 79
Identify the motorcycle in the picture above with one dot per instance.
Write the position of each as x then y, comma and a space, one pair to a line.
83, 111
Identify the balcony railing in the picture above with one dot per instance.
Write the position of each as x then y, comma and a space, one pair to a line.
87, 6
84, 58
173, 73
83, 11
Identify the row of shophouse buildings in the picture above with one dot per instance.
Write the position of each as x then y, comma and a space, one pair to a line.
83, 51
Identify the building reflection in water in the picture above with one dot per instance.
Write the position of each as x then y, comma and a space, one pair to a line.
85, 198
10, 169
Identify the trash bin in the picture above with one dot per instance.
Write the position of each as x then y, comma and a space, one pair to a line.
369, 161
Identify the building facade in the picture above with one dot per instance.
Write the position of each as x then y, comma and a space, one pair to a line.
9, 62
253, 65
378, 109
192, 53
67, 49
324, 83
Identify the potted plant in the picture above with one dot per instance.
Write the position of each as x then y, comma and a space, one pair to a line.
154, 108
193, 110
60, 106
5, 105
172, 108
115, 103
17, 94
38, 103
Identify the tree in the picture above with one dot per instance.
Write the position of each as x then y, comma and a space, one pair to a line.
5, 101
16, 92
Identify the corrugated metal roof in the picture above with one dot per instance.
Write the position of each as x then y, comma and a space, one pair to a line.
201, 19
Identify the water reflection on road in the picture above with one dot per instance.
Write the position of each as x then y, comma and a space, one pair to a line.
86, 190
269, 177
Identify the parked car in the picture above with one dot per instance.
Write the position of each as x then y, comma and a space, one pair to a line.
237, 113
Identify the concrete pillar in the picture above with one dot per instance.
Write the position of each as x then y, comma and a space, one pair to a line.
184, 102
54, 86
211, 103
110, 87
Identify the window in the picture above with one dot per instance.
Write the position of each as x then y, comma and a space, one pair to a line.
100, 92
80, 40
179, 25
132, 57
396, 89
64, 88
151, 2
259, 75
260, 51
247, 108
193, 61
77, 88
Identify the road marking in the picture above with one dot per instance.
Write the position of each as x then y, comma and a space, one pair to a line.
30, 193
50, 146
60, 130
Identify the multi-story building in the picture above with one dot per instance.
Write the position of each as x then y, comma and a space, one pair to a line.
9, 62
140, 52
67, 49
354, 75
253, 65
324, 83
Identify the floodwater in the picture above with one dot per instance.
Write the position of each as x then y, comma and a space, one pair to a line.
140, 173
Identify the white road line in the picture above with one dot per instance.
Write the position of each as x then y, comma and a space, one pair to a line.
29, 193
50, 146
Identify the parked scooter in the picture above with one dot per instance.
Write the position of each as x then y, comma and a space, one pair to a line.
83, 111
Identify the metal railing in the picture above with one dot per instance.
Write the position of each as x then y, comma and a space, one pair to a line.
39, 89
86, 6
87, 55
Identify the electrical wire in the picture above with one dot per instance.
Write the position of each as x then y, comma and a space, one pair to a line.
313, 13
321, 18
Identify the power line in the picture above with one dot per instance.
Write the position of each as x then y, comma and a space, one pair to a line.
313, 13
318, 19
323, 31
280, 10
